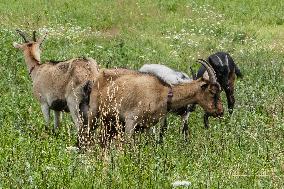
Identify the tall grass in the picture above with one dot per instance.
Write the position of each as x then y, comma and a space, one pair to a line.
244, 150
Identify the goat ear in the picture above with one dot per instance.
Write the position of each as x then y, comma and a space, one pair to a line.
205, 76
204, 86
17, 45
214, 88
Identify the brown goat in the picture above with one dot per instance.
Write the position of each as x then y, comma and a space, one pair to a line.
138, 99
58, 85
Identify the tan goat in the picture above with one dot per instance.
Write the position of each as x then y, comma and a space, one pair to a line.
57, 85
138, 99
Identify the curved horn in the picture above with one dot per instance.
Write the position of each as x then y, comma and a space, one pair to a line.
42, 39
34, 36
210, 70
22, 34
226, 61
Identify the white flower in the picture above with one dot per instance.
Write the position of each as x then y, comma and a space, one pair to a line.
50, 168
100, 47
181, 183
72, 149
30, 179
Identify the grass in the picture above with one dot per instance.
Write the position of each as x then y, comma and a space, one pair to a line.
244, 150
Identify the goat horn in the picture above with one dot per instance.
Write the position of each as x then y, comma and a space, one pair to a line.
42, 39
34, 36
210, 70
226, 61
221, 62
22, 34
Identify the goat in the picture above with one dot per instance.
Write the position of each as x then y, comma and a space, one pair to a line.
172, 77
167, 74
58, 85
225, 69
144, 99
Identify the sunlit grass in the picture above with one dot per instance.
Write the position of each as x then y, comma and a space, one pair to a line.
244, 150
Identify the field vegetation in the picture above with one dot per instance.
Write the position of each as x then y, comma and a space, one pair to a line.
244, 150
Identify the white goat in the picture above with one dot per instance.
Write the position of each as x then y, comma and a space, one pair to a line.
167, 74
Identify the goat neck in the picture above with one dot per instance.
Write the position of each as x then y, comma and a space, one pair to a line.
185, 93
32, 62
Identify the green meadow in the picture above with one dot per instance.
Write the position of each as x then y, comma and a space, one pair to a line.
244, 150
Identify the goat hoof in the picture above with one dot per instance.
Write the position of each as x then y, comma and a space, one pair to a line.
186, 138
161, 141
54, 132
46, 128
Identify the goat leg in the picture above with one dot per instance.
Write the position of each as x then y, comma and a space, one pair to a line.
185, 129
87, 130
56, 121
206, 120
164, 126
75, 117
231, 104
129, 130
230, 99
46, 113
75, 114
229, 90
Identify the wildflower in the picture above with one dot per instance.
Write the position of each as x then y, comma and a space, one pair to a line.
181, 183
72, 149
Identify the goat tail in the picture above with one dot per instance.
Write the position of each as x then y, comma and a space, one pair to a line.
87, 88
93, 61
238, 72
83, 91
93, 64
